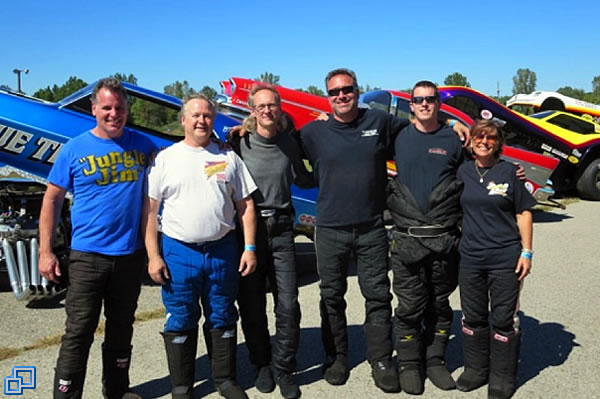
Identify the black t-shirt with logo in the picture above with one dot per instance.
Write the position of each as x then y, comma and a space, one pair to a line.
348, 160
423, 160
490, 235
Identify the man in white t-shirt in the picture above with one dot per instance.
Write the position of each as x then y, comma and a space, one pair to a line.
200, 188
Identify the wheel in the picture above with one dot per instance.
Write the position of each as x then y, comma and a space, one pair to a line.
552, 104
588, 184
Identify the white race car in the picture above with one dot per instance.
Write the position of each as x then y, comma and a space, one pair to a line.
550, 100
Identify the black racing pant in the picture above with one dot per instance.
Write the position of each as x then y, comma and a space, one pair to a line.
484, 289
422, 290
368, 243
93, 279
277, 263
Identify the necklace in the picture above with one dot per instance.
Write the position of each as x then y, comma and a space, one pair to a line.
481, 175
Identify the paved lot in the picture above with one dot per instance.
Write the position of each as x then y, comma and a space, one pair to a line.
560, 320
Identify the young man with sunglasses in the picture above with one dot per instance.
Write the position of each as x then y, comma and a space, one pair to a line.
348, 153
424, 200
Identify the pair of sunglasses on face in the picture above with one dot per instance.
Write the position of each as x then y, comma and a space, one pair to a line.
427, 99
336, 92
491, 138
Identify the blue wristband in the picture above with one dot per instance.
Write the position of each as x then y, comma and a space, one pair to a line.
451, 122
527, 255
250, 247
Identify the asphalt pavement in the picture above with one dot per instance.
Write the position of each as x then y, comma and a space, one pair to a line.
560, 306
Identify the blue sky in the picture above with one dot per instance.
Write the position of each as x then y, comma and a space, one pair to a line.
390, 44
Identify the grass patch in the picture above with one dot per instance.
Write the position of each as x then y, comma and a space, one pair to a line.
8, 353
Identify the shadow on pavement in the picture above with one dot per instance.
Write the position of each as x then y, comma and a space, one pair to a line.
549, 217
543, 345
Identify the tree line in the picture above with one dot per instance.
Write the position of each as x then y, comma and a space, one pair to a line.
524, 82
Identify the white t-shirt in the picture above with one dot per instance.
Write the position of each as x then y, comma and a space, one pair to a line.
198, 187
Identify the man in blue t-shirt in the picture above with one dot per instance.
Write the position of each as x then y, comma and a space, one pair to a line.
104, 168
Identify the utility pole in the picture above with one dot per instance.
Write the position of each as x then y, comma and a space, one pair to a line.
18, 72
498, 89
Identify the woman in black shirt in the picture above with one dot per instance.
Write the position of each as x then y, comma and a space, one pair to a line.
496, 256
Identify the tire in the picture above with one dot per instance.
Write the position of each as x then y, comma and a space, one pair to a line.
552, 104
588, 184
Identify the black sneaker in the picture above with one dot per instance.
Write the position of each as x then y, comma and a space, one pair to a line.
385, 376
288, 388
264, 380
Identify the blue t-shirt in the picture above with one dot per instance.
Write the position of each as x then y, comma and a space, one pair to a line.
106, 178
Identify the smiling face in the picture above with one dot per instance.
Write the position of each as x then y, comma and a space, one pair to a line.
266, 109
425, 104
110, 110
486, 140
197, 120
344, 104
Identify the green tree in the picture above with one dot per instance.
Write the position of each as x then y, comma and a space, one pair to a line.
57, 93
126, 78
456, 79
179, 89
524, 82
268, 77
366, 88
596, 85
571, 92
208, 92
315, 90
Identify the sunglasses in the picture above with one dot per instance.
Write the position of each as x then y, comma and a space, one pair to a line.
491, 138
428, 99
336, 92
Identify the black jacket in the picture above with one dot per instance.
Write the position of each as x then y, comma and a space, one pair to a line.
444, 211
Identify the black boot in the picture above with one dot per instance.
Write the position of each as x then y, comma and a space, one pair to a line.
181, 356
335, 370
476, 350
504, 365
224, 347
115, 375
68, 386
410, 364
435, 354
379, 354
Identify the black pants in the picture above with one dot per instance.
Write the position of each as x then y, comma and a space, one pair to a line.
368, 243
495, 289
277, 263
422, 290
92, 279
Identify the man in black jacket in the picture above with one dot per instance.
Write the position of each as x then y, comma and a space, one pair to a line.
424, 200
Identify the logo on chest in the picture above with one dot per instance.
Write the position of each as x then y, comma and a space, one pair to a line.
216, 168
438, 151
369, 133
497, 189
